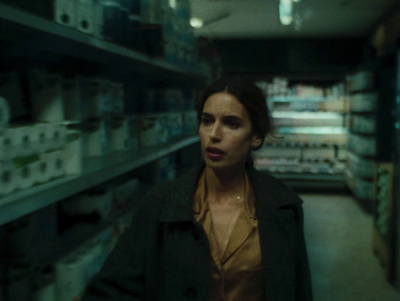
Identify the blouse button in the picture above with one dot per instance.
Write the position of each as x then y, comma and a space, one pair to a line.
191, 292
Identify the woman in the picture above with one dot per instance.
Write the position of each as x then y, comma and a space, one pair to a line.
223, 231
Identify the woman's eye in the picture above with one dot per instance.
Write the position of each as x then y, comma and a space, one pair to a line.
233, 124
206, 120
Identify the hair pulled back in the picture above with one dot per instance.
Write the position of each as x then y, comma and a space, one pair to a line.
249, 95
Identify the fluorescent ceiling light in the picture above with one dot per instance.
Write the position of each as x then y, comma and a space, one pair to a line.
196, 22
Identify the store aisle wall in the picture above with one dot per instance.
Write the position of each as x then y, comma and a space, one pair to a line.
338, 237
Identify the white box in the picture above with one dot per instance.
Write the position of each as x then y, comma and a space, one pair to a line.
98, 20
64, 12
46, 96
84, 15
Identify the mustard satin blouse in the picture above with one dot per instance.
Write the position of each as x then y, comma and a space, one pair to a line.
238, 274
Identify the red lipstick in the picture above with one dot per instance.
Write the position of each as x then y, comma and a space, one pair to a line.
214, 153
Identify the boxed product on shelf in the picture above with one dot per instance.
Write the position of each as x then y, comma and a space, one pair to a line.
73, 102
90, 97
134, 131
175, 124
57, 136
46, 96
97, 18
363, 80
115, 20
96, 137
25, 171
74, 152
70, 278
26, 140
189, 123
363, 124
7, 148
120, 134
64, 12
22, 140
332, 105
39, 169
134, 34
361, 167
98, 203
307, 119
4, 114
319, 153
75, 270
306, 91
84, 15
41, 137
276, 151
8, 178
152, 11
363, 102
361, 188
12, 92
153, 129
43, 288
61, 11
164, 169
313, 135
341, 153
364, 189
56, 163
95, 95
115, 105
362, 145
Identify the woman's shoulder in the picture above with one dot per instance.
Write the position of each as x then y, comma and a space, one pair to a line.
266, 184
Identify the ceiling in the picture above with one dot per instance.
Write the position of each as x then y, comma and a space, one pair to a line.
241, 19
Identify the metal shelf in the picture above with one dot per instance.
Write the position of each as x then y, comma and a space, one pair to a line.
303, 99
29, 35
312, 181
83, 232
96, 171
321, 130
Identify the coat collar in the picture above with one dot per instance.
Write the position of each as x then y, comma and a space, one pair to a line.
270, 195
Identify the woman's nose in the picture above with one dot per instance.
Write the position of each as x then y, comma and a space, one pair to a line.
215, 133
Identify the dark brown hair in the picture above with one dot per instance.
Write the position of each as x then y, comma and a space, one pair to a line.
249, 95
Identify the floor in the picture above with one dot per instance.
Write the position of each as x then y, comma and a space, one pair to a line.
338, 237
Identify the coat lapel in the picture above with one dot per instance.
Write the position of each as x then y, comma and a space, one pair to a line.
276, 230
241, 232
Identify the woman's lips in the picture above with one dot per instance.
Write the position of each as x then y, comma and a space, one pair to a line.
214, 153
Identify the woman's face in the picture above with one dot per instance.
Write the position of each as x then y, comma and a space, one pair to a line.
225, 132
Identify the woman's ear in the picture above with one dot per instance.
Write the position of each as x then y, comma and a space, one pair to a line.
256, 142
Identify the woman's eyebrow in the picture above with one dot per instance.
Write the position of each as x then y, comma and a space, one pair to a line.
232, 117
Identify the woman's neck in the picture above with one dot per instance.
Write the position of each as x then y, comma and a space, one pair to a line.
223, 186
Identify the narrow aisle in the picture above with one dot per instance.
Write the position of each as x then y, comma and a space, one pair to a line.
338, 236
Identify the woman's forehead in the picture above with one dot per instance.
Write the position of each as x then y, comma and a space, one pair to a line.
224, 103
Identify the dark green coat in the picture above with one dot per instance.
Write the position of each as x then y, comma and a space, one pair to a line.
164, 254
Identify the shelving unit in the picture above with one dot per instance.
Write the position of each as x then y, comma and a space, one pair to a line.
96, 171
48, 40
362, 146
310, 144
29, 41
